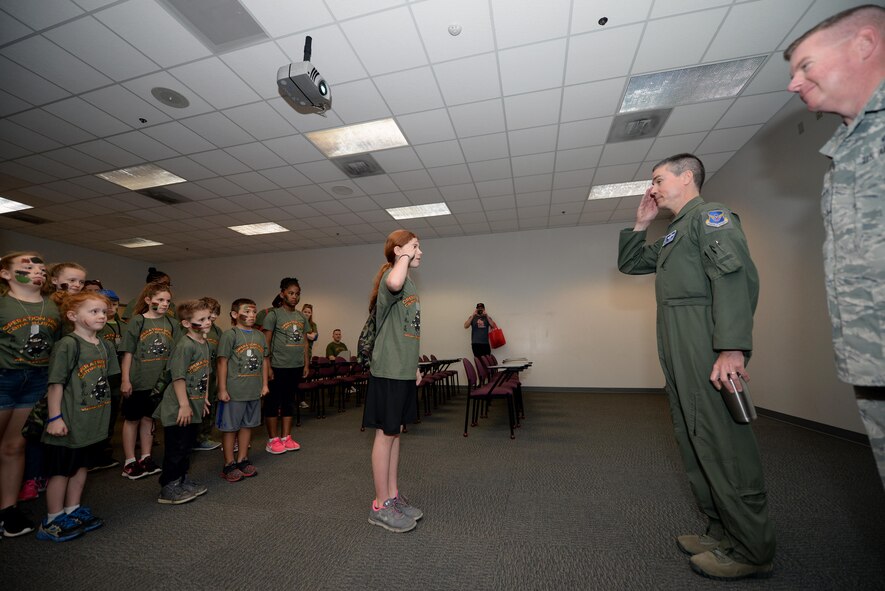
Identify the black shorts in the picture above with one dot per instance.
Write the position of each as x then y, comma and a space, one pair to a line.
390, 404
280, 400
480, 349
138, 405
59, 460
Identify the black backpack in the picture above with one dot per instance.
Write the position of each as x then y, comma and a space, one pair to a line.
366, 343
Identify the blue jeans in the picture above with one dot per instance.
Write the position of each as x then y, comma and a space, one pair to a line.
22, 388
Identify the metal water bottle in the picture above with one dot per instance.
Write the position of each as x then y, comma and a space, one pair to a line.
739, 404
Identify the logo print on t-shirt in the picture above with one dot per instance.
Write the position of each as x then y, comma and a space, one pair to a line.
101, 390
251, 361
203, 384
416, 323
295, 335
158, 347
35, 345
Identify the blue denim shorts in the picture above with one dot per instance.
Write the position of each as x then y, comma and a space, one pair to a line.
22, 388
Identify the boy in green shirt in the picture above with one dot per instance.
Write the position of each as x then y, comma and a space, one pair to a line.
204, 438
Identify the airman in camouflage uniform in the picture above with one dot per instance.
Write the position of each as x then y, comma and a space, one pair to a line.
839, 67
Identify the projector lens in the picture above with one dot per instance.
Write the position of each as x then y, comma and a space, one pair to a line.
323, 88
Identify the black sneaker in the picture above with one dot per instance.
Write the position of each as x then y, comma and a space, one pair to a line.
133, 471
149, 467
15, 523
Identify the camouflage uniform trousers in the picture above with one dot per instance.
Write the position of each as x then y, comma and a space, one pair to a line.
871, 404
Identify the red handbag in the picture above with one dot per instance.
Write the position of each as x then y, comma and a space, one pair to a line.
496, 338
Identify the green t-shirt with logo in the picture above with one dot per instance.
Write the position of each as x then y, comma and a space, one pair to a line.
150, 343
190, 361
289, 340
398, 318
83, 368
27, 332
333, 348
245, 351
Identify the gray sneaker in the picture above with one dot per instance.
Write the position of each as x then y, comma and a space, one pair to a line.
410, 510
191, 486
174, 494
206, 445
391, 518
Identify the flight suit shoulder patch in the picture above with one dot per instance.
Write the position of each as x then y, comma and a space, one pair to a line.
717, 219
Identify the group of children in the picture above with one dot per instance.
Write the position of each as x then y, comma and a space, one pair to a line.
175, 367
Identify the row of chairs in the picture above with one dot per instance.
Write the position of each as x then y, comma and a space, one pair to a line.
332, 380
484, 385
438, 384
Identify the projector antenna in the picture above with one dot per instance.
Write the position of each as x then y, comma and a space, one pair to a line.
307, 42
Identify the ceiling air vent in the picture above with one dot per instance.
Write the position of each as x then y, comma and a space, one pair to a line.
163, 195
26, 217
637, 126
358, 165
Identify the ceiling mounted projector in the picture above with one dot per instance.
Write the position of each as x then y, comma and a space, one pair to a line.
303, 86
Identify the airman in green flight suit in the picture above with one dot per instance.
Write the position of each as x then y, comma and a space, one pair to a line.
706, 289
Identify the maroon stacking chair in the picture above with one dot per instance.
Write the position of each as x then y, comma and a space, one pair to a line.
309, 387
450, 379
479, 396
517, 384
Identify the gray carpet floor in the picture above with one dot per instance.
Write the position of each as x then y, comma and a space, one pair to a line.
588, 496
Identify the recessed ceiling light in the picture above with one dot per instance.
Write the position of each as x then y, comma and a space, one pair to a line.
359, 138
143, 176
8, 205
419, 211
138, 243
618, 190
253, 229
689, 85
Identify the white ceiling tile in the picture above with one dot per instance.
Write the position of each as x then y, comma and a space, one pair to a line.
257, 65
533, 166
365, 32
251, 182
9, 151
430, 126
727, 140
397, 159
675, 144
219, 162
139, 21
177, 136
321, 172
573, 179
534, 212
219, 186
411, 180
26, 85
51, 126
819, 11
388, 200
345, 9
661, 49
311, 193
85, 116
424, 196
532, 110
591, 100
440, 153
586, 15
450, 175
713, 162
499, 215
469, 79
536, 199
255, 155
498, 202
142, 87
618, 46
754, 28
625, 152
433, 18
96, 45
757, 108
580, 134
463, 192
518, 22
10, 104
281, 17
141, 145
109, 153
532, 67
671, 7
215, 83
125, 106
11, 29
692, 118
360, 204
475, 227
485, 147
286, 176
410, 91
217, 129
359, 101
294, 149
42, 14
52, 167
578, 158
25, 138
259, 120
332, 55
532, 141
376, 185
53, 63
771, 77
615, 174
78, 160
573, 195
491, 170
334, 189
478, 118
185, 168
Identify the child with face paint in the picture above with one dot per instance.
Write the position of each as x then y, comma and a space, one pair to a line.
79, 413
185, 402
65, 278
213, 337
29, 325
284, 329
242, 382
112, 333
147, 344
312, 336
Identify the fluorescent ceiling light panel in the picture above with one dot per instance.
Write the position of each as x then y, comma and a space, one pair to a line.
419, 211
143, 176
689, 85
618, 190
359, 138
8, 205
254, 229
138, 243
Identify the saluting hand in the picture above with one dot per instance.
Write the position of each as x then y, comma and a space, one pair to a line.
647, 210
